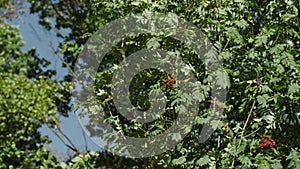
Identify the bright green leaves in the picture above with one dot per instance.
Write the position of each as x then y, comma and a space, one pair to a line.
245, 160
70, 48
203, 161
293, 88
153, 43
222, 79
265, 162
25, 104
263, 99
12, 60
179, 160
291, 12
82, 161
176, 136
294, 159
243, 24
261, 40
10, 40
234, 34
259, 45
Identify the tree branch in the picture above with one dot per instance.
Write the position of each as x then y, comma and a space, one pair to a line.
243, 130
59, 133
252, 132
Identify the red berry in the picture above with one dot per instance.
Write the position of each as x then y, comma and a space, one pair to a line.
164, 82
266, 144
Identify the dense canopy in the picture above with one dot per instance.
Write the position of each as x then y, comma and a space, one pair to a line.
258, 42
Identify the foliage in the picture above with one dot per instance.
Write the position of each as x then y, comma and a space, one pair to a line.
27, 100
258, 42
24, 105
10, 9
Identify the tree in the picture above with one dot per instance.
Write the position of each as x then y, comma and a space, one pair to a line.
259, 44
27, 101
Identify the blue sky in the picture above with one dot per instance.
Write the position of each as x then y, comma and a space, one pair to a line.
45, 42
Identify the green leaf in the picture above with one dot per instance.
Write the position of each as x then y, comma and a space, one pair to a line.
153, 43
136, 3
276, 164
263, 99
176, 136
179, 160
293, 88
203, 161
294, 158
261, 40
235, 35
245, 161
223, 79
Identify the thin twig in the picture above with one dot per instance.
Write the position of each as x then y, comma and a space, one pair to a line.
51, 46
67, 138
219, 139
243, 130
248, 118
85, 142
73, 148
276, 37
252, 133
225, 45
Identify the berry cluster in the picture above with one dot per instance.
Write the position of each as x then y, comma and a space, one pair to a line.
266, 143
169, 82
